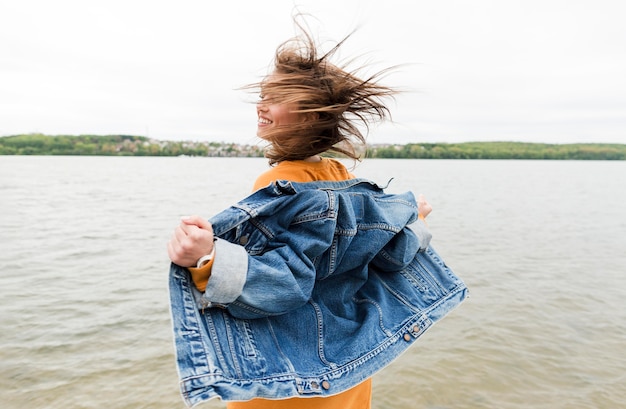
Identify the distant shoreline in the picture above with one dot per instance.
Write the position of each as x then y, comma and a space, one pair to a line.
129, 145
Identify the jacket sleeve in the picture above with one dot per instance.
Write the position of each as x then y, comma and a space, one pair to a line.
272, 283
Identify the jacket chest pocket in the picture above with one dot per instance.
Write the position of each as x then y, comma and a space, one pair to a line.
253, 236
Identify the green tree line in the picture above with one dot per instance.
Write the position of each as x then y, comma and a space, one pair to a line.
128, 145
117, 145
501, 150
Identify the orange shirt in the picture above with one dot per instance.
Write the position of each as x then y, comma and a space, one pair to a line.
358, 397
302, 171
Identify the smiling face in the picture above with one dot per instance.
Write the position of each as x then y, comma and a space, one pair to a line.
272, 114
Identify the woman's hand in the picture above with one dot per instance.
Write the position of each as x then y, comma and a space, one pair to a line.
192, 239
423, 207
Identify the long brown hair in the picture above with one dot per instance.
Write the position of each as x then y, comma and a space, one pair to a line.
335, 100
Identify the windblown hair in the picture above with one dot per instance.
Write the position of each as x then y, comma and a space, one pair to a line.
336, 101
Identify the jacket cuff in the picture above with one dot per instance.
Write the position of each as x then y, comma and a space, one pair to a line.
423, 234
228, 273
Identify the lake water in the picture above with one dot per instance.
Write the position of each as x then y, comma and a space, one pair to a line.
84, 311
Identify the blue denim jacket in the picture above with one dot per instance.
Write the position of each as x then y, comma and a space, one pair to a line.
315, 287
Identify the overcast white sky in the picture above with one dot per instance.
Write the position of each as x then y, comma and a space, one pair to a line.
535, 70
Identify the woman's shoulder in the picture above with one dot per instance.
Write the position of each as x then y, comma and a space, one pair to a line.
337, 170
303, 171
286, 170
334, 164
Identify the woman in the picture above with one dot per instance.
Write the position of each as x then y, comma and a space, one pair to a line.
308, 107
